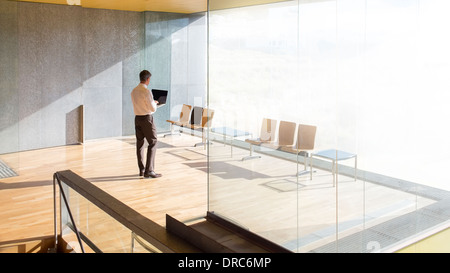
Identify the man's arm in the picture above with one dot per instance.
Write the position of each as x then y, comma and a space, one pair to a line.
153, 103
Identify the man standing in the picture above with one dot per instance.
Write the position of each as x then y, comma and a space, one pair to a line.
144, 106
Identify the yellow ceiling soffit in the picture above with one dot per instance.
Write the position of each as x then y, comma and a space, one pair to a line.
228, 4
176, 6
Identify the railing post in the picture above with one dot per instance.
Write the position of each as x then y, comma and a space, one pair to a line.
55, 177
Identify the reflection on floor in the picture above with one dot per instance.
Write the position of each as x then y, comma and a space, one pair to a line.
263, 195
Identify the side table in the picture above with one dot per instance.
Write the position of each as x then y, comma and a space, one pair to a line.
229, 132
335, 156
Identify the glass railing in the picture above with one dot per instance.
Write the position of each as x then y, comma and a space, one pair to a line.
92, 221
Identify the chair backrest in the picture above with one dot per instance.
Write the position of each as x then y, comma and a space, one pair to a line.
306, 136
268, 130
207, 116
196, 115
185, 113
286, 133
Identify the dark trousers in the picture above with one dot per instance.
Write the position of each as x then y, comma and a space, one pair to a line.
145, 130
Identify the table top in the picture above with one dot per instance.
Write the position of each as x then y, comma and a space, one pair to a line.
229, 131
334, 154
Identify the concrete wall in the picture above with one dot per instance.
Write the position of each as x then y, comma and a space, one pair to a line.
65, 57
57, 59
9, 98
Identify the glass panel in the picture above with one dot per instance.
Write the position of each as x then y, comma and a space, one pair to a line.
252, 78
350, 196
318, 106
429, 109
370, 75
389, 32
401, 112
103, 231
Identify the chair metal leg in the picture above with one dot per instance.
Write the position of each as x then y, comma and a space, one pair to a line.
251, 156
305, 171
172, 132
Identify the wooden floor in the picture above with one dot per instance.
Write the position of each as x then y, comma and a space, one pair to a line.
26, 200
263, 194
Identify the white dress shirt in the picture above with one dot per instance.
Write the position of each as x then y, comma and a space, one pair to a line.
143, 102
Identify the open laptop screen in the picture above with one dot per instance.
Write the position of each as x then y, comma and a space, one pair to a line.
160, 96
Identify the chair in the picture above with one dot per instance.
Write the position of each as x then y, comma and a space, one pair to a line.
183, 120
306, 135
196, 118
206, 119
267, 135
286, 136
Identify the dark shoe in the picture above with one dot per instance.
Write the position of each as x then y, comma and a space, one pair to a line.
152, 175
141, 173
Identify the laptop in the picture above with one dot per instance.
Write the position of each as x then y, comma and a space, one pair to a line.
160, 96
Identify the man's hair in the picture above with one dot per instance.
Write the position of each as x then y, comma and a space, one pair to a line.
144, 75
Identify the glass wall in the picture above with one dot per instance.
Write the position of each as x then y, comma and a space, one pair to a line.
253, 72
370, 78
